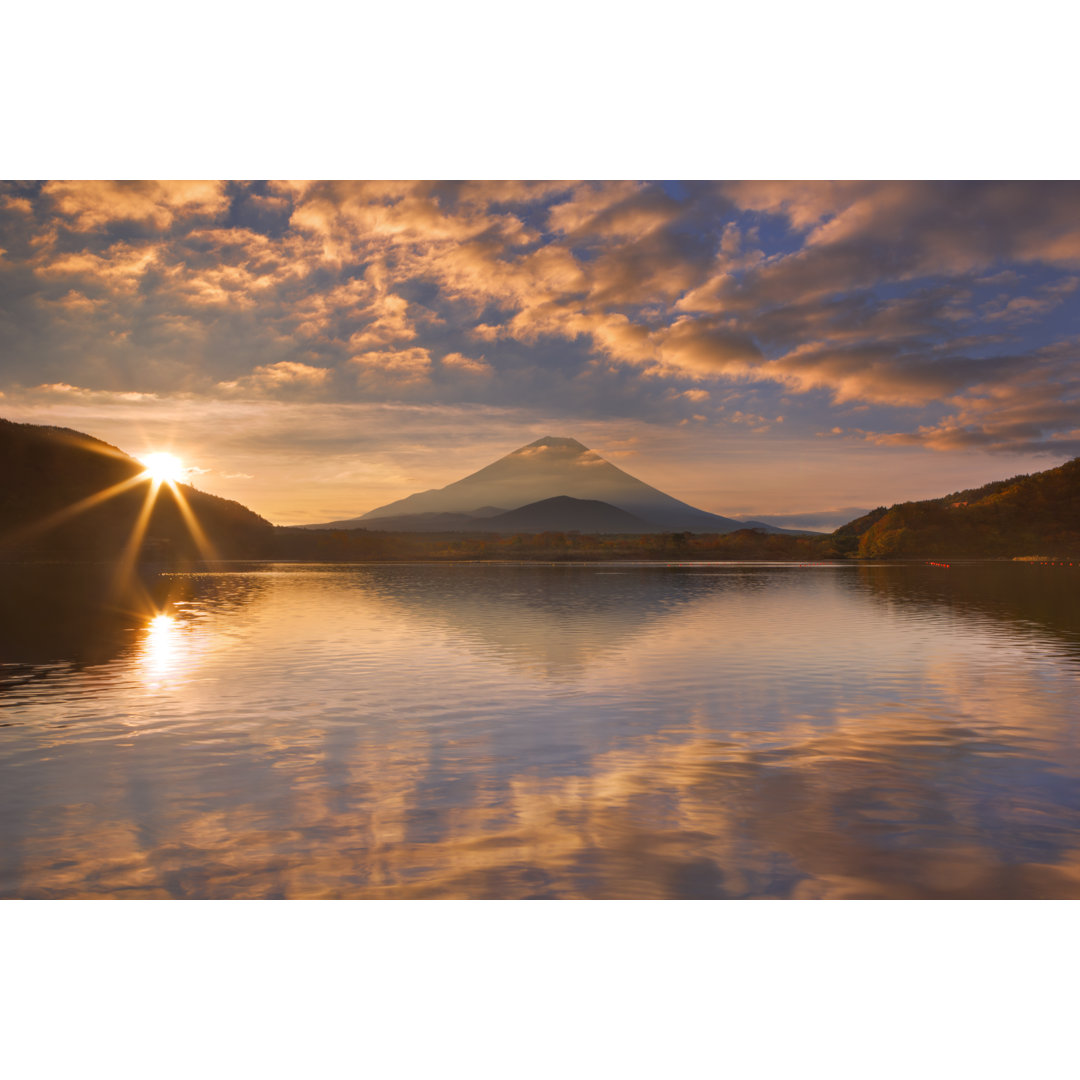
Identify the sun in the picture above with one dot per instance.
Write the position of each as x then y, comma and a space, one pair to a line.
164, 468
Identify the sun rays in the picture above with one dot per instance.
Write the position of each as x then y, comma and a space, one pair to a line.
130, 554
164, 467
66, 513
162, 470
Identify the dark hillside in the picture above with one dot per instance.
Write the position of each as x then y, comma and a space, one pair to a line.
52, 480
49, 482
1026, 515
566, 514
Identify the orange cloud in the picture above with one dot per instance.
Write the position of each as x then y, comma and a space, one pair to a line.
90, 204
18, 205
291, 376
673, 282
62, 389
486, 193
620, 208
457, 362
407, 363
804, 204
318, 311
290, 371
118, 270
398, 211
705, 348
390, 323
75, 302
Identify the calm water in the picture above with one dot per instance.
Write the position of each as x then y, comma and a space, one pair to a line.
542, 731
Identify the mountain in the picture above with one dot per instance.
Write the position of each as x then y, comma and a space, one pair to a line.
433, 522
559, 514
1037, 514
66, 495
566, 514
814, 521
414, 523
548, 469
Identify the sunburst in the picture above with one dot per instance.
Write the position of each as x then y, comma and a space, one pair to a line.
164, 468
161, 469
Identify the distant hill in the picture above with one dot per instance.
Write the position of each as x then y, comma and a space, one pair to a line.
822, 522
1025, 515
559, 514
49, 486
433, 522
547, 469
565, 514
51, 507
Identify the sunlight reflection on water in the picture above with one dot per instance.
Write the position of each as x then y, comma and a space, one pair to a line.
159, 646
456, 730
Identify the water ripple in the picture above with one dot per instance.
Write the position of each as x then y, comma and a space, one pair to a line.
598, 731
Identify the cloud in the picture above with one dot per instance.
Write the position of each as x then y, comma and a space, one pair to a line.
1032, 404
929, 227
398, 364
804, 204
1031, 308
67, 390
884, 232
878, 373
75, 302
120, 268
918, 298
285, 378
91, 204
620, 210
706, 347
390, 322
487, 193
18, 205
290, 371
395, 212
458, 362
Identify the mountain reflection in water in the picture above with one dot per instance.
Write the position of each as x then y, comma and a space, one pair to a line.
542, 731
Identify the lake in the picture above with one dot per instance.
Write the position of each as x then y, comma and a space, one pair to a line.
541, 731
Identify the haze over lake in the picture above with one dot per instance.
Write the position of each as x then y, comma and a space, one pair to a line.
608, 730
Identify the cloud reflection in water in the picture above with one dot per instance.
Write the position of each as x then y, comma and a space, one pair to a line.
412, 731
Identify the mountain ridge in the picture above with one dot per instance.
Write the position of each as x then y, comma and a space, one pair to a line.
550, 467
1029, 514
48, 506
53, 479
561, 513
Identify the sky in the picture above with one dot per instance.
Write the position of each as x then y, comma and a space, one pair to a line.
795, 351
